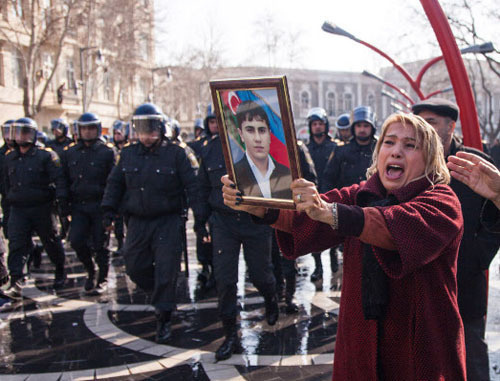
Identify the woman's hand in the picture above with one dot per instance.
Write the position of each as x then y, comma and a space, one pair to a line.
307, 200
478, 174
232, 198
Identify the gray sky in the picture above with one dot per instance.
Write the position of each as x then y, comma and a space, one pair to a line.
392, 25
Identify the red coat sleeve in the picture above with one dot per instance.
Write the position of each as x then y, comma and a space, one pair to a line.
421, 229
309, 236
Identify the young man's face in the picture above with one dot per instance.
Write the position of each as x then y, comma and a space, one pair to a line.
212, 126
362, 132
257, 138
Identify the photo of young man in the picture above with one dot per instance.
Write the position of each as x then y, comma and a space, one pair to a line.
257, 173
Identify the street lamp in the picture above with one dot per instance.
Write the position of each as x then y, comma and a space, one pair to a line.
83, 82
395, 99
380, 79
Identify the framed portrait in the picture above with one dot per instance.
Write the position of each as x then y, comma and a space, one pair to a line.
258, 138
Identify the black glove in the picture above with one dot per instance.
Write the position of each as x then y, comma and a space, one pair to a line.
107, 219
63, 207
200, 229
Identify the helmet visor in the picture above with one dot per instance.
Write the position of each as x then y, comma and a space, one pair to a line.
23, 134
6, 131
148, 124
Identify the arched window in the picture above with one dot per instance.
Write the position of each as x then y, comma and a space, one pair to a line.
304, 102
330, 104
347, 102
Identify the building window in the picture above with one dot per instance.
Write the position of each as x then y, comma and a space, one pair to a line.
347, 102
330, 104
144, 46
304, 102
17, 8
70, 76
17, 65
107, 87
371, 101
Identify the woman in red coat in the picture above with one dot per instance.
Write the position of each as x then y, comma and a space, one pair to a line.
401, 230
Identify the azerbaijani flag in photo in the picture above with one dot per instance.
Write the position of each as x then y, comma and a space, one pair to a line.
268, 99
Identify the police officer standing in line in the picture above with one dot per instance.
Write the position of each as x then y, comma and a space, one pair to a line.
149, 182
9, 144
285, 270
478, 246
86, 166
343, 124
121, 132
199, 137
349, 164
30, 175
59, 128
321, 146
229, 230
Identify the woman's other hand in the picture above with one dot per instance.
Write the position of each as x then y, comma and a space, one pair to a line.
307, 199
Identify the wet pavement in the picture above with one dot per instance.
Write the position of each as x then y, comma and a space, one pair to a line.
66, 335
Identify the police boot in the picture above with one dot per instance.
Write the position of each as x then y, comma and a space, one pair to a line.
204, 274
14, 291
231, 341
318, 271
102, 279
334, 261
291, 307
89, 282
118, 251
272, 309
59, 277
163, 326
211, 279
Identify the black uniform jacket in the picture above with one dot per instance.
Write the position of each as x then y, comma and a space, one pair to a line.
150, 183
477, 249
33, 178
86, 169
347, 166
321, 153
59, 146
279, 181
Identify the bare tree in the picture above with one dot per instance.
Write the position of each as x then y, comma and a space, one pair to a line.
30, 29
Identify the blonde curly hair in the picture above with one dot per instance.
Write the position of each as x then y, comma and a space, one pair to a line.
427, 139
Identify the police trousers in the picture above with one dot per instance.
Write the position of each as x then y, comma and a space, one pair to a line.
152, 254
229, 232
22, 222
86, 222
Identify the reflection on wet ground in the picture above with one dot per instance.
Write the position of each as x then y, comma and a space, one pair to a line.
68, 335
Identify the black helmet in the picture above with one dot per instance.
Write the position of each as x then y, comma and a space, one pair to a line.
343, 122
89, 119
176, 127
41, 137
210, 115
198, 123
122, 127
318, 113
363, 114
148, 117
6, 129
59, 124
23, 131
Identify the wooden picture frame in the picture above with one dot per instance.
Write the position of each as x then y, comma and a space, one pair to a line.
262, 164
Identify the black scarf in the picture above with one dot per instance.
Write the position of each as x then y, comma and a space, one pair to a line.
374, 282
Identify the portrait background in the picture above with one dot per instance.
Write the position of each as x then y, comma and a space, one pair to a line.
268, 99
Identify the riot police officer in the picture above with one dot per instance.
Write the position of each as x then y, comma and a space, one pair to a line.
199, 136
9, 144
86, 166
121, 132
229, 229
59, 128
343, 124
149, 182
350, 162
176, 130
30, 174
321, 147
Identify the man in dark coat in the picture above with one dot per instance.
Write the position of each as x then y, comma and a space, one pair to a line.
478, 246
228, 231
257, 173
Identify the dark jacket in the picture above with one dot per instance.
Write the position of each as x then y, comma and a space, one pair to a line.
59, 146
307, 164
151, 183
477, 248
33, 178
280, 180
86, 169
347, 166
320, 153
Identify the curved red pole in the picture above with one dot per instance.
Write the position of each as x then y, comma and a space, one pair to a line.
425, 68
458, 74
